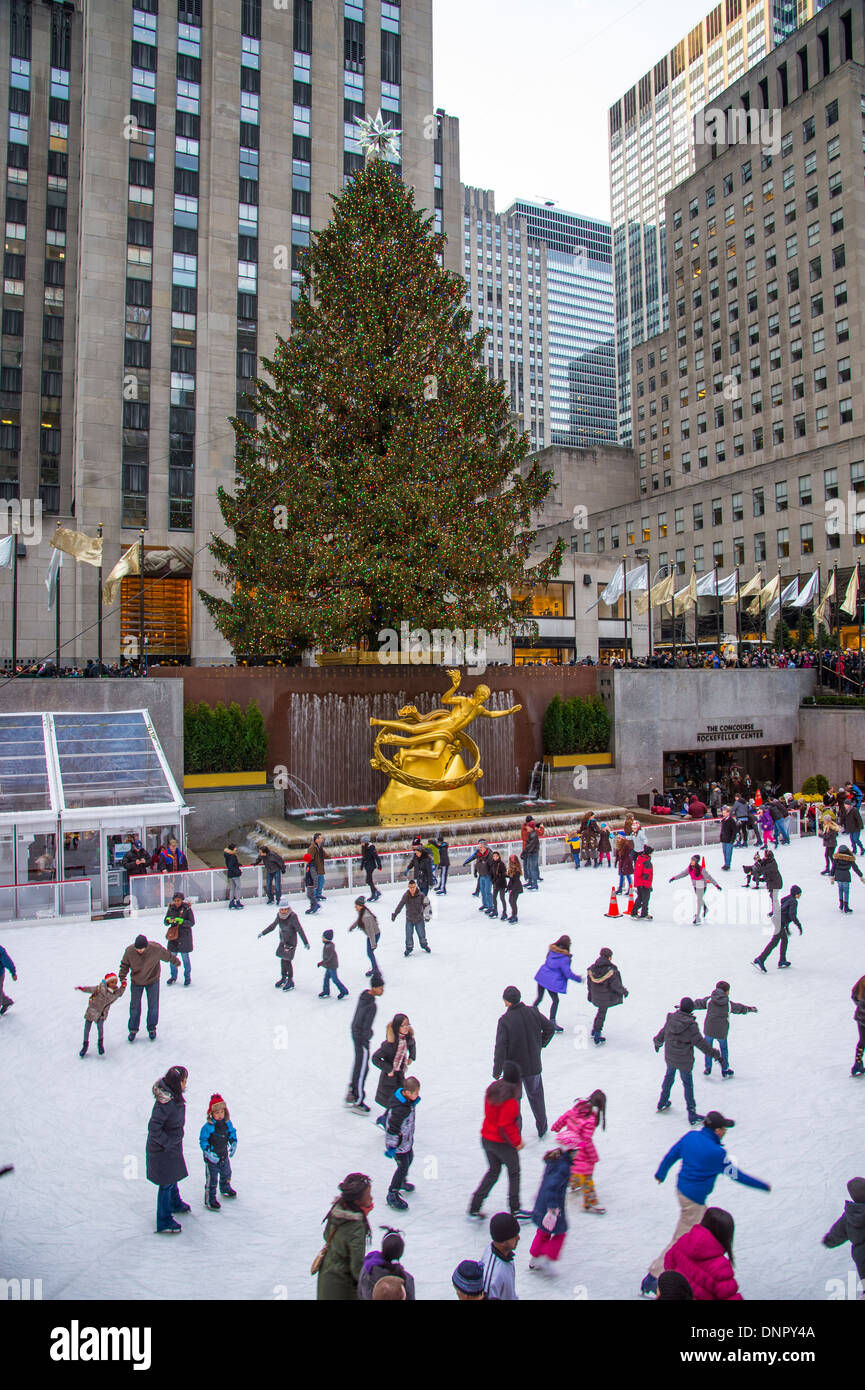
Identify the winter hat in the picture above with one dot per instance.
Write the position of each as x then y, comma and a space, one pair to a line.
375, 980
468, 1277
797, 890
307, 859
503, 1226
360, 902
110, 979
856, 1188
715, 1120
327, 936
512, 995
686, 1004
140, 942
216, 1099
354, 1185
724, 985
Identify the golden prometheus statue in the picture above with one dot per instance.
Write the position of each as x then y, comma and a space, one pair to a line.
436, 765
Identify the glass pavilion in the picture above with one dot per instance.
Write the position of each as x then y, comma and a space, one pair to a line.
75, 790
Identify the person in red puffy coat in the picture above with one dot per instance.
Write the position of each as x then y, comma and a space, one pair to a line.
704, 1255
501, 1139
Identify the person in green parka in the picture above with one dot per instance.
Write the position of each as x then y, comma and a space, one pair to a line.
346, 1233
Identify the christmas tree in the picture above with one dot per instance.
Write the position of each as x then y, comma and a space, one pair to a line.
382, 483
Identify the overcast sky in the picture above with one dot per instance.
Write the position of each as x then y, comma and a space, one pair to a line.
532, 82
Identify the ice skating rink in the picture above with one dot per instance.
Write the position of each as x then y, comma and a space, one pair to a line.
79, 1214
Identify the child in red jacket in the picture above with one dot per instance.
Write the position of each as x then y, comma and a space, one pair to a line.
575, 1130
501, 1139
643, 875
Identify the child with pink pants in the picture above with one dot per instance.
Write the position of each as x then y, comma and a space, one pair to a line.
548, 1213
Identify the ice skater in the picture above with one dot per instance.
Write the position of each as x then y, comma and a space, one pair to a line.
218, 1140
515, 886
554, 975
368, 923
719, 1006
6, 963
789, 907
392, 1059
330, 962
843, 864
678, 1037
179, 919
699, 876
501, 1140
233, 872
703, 1159
605, 989
575, 1130
361, 1033
370, 862
858, 997
417, 913
166, 1166
399, 1139
548, 1212
102, 996
289, 931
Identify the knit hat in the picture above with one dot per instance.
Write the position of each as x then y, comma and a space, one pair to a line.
216, 1099
856, 1188
723, 984
140, 942
307, 859
360, 902
715, 1120
375, 980
512, 995
327, 936
110, 978
468, 1277
797, 890
503, 1226
686, 1004
354, 1185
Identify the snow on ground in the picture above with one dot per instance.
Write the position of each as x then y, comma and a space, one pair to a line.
79, 1215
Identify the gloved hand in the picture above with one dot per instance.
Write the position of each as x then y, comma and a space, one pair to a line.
393, 916
753, 1009
800, 931
260, 935
549, 1221
231, 1148
210, 1156
390, 1153
625, 993
306, 945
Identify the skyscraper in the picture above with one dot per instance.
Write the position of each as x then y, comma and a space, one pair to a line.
166, 163
652, 149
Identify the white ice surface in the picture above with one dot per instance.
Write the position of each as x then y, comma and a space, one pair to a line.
79, 1215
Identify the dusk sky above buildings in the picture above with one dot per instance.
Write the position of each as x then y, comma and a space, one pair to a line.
532, 82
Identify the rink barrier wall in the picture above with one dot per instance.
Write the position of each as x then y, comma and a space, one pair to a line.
31, 903
153, 892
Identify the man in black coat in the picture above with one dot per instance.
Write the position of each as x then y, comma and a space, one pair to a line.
370, 861
444, 863
421, 867
789, 907
520, 1035
771, 876
605, 990
361, 1033
853, 825
289, 930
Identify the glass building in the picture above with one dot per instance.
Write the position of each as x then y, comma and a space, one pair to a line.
580, 320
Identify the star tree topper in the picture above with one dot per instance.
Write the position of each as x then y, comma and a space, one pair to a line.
376, 137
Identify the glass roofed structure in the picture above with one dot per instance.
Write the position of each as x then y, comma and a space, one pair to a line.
75, 791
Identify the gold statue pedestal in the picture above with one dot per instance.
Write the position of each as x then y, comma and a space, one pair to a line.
404, 805
430, 777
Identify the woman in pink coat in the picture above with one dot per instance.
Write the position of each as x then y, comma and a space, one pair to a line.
575, 1129
705, 1256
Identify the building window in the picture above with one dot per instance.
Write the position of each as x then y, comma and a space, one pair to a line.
783, 542
759, 547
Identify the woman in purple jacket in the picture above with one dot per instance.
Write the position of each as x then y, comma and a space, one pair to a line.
554, 975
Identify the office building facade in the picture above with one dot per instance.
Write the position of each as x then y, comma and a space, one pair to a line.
166, 164
652, 149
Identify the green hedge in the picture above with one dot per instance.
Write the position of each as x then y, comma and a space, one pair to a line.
224, 740
576, 726
815, 786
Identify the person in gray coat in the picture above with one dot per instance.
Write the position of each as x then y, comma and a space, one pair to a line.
678, 1037
368, 923
719, 1006
164, 1150
289, 930
417, 906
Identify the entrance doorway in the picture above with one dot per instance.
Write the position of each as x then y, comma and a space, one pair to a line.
735, 770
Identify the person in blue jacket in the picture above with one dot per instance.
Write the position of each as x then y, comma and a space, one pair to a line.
6, 963
218, 1140
703, 1158
554, 975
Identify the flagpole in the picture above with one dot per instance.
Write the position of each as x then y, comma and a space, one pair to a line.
816, 623
14, 599
836, 624
674, 616
780, 608
719, 612
738, 621
98, 606
625, 604
141, 666
649, 582
696, 610
57, 622
859, 625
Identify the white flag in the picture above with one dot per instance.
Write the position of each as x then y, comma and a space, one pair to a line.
752, 587
727, 586
788, 596
53, 575
851, 598
809, 593
615, 588
706, 587
638, 579
7, 554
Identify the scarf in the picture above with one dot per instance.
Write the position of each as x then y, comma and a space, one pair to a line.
400, 1057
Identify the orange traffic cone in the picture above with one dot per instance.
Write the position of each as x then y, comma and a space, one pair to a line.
629, 910
703, 865
614, 906
758, 800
